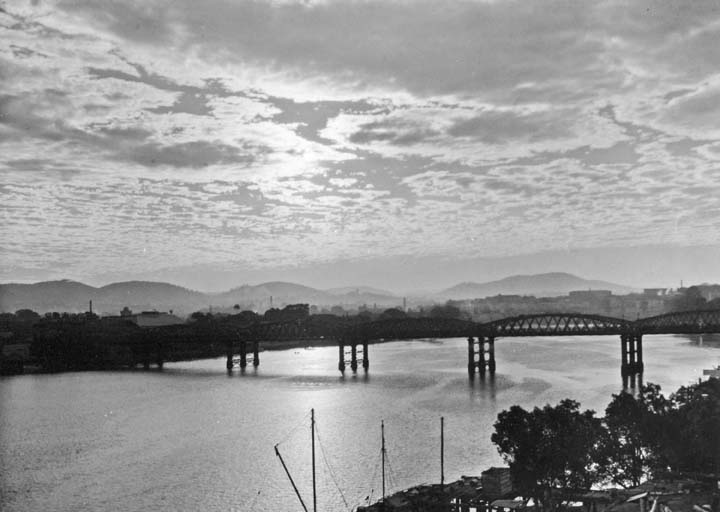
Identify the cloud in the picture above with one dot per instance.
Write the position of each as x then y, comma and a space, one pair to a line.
171, 133
189, 154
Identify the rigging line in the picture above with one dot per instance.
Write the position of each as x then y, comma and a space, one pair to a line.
330, 469
390, 473
375, 472
371, 486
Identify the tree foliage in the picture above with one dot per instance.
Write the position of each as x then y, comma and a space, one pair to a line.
694, 428
631, 445
549, 448
562, 449
392, 313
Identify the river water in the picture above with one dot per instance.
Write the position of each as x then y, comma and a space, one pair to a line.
191, 437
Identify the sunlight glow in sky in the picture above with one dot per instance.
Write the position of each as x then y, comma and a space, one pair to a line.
146, 138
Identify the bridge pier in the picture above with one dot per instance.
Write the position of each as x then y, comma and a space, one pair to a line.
639, 352
160, 356
244, 355
152, 352
472, 364
355, 347
491, 355
631, 353
229, 362
481, 355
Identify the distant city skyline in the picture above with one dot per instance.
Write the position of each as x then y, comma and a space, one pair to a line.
400, 145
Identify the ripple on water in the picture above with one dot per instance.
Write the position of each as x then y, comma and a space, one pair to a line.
192, 437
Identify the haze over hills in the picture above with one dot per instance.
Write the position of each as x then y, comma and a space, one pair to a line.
72, 296
539, 285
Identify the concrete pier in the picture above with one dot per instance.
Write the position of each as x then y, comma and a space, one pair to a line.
357, 350
631, 354
481, 355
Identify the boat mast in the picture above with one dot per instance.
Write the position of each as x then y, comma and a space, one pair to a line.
442, 451
382, 433
277, 452
312, 431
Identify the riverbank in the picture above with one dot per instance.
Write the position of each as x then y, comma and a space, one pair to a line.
32, 367
672, 494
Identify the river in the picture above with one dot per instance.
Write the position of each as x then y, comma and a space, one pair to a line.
191, 437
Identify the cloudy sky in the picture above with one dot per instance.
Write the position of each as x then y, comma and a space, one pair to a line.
402, 143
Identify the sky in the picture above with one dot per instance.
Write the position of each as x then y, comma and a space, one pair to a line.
394, 143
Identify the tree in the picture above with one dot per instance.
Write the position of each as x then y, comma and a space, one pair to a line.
548, 449
392, 313
694, 444
27, 315
247, 317
200, 316
635, 428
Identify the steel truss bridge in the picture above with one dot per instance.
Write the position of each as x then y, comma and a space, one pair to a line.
351, 336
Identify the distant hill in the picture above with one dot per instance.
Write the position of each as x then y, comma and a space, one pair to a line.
281, 293
359, 289
288, 293
72, 296
539, 285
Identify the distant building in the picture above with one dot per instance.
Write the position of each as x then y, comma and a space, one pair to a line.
151, 318
655, 292
496, 482
501, 298
590, 294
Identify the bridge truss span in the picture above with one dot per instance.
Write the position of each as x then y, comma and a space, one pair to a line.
556, 324
412, 328
353, 335
681, 322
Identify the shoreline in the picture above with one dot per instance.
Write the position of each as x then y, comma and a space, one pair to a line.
32, 368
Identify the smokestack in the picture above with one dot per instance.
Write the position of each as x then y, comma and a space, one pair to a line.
90, 307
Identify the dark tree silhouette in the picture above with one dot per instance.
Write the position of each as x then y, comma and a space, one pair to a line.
694, 425
548, 449
392, 313
631, 448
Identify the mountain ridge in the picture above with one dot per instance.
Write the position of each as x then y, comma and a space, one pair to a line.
69, 295
74, 296
540, 285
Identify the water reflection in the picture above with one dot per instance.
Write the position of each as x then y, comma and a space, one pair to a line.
632, 383
191, 437
482, 386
